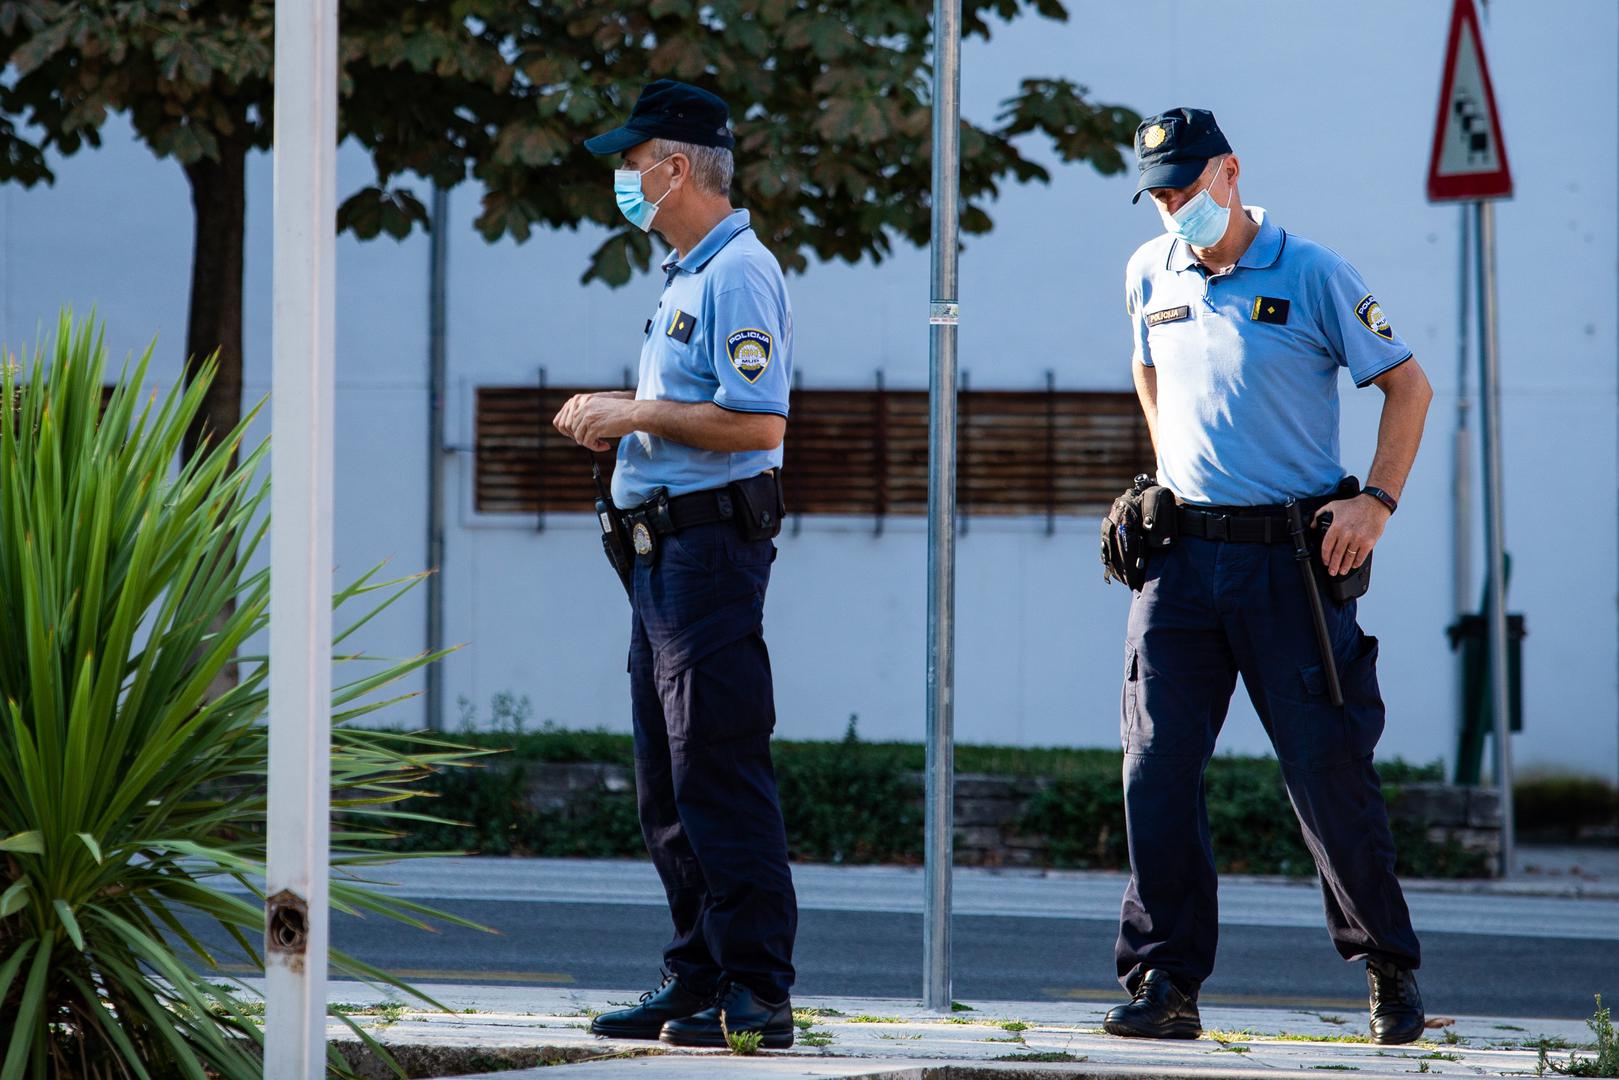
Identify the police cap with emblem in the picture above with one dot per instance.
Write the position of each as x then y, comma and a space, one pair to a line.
1173, 148
672, 110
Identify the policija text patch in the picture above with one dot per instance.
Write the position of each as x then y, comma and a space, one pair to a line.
1174, 314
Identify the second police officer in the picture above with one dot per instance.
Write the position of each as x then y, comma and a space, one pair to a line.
1240, 330
697, 492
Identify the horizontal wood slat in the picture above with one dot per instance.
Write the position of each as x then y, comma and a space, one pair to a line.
862, 452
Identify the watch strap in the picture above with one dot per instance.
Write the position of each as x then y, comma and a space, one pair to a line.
1381, 496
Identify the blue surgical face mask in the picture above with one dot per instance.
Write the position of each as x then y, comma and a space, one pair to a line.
1202, 221
632, 200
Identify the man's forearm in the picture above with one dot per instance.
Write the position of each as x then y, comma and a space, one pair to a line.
1147, 390
1399, 432
705, 426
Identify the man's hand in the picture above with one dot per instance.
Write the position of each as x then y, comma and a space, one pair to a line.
1357, 526
591, 419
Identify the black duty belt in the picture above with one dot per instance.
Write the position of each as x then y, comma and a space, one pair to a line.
754, 506
688, 511
1243, 524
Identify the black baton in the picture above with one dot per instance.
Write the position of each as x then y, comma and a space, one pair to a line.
1312, 589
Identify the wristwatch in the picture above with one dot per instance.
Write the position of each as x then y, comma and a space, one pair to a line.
1381, 496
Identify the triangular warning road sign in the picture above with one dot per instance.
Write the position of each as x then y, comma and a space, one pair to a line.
1469, 157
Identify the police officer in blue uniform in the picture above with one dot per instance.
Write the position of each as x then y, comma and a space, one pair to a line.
1240, 330
697, 491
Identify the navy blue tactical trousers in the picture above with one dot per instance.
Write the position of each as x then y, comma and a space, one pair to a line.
1211, 611
704, 709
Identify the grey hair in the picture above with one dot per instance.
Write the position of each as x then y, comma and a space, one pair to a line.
711, 166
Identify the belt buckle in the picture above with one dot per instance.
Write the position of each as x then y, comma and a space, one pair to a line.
1219, 527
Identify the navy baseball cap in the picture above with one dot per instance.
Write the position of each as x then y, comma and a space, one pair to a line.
673, 110
1174, 147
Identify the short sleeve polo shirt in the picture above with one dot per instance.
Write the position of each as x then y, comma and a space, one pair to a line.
1247, 363
722, 332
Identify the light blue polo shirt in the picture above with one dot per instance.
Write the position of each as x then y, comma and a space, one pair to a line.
1247, 363
722, 332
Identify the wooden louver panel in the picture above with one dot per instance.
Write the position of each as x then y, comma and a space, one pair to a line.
861, 452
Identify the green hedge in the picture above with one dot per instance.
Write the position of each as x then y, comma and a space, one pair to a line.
853, 801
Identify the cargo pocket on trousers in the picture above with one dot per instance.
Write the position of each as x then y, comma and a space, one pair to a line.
1128, 703
714, 677
1361, 719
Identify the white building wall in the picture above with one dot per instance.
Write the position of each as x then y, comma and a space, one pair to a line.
1330, 108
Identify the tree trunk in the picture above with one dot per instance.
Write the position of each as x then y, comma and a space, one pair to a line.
214, 323
219, 197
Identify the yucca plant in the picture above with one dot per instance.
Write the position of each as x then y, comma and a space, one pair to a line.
127, 798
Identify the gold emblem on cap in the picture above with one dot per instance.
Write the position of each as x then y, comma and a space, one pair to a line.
1154, 137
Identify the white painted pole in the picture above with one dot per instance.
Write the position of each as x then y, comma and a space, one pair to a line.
302, 337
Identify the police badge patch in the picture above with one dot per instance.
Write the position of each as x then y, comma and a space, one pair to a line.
1370, 314
750, 353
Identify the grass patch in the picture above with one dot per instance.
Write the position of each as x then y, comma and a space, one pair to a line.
745, 1043
1451, 1038
1606, 1061
956, 1020
1508, 1027
896, 1036
1042, 1056
1440, 1055
866, 1018
956, 1006
1013, 1025
1337, 1068
816, 1038
817, 1012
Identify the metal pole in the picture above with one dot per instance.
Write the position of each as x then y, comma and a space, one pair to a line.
1462, 524
942, 507
305, 215
436, 289
1462, 478
1490, 393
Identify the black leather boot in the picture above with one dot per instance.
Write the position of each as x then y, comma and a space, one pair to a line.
670, 1001
1397, 1015
736, 1010
1159, 1010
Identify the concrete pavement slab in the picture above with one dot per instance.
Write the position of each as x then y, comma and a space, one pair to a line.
898, 1040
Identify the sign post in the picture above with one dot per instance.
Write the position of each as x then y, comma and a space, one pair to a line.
1469, 163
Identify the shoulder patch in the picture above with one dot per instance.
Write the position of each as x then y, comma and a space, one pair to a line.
1173, 314
1370, 314
749, 351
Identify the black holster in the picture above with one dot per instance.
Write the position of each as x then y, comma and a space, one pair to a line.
1141, 521
1345, 587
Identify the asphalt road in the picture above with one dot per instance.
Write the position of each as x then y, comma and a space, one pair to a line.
1490, 949
616, 945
